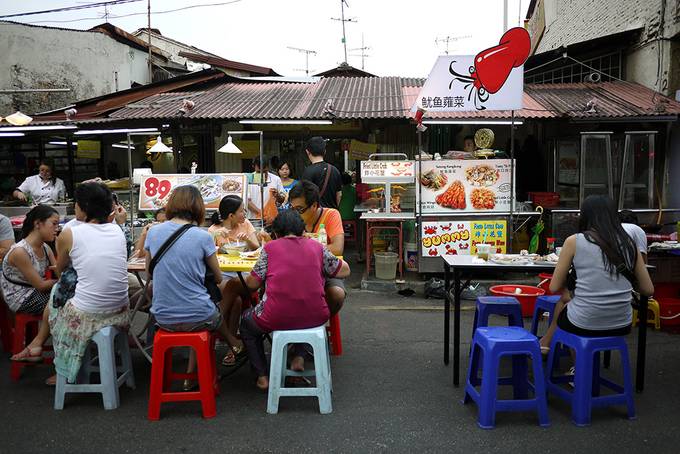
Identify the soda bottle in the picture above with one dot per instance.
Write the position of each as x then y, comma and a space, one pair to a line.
322, 237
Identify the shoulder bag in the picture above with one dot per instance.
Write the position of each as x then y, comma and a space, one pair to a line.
209, 280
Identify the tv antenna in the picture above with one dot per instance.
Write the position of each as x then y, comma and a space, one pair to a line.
307, 53
450, 39
363, 53
343, 20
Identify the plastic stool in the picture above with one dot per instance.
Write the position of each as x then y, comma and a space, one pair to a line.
316, 338
498, 305
162, 376
334, 335
109, 340
25, 328
587, 379
491, 343
653, 306
544, 303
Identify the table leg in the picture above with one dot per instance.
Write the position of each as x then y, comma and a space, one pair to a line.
456, 328
642, 346
447, 311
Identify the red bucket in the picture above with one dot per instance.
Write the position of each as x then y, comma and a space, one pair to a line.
526, 297
547, 277
669, 310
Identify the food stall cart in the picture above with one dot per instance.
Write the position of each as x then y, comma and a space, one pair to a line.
387, 214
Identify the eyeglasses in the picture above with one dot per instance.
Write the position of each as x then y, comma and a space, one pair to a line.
301, 210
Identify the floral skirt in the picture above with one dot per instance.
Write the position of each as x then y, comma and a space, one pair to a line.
72, 329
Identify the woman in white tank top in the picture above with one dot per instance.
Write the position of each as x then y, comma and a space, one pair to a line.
97, 250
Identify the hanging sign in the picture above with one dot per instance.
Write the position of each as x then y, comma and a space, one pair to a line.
493, 79
461, 237
374, 172
360, 151
155, 190
89, 149
462, 185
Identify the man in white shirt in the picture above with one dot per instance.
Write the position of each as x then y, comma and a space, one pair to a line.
629, 222
272, 187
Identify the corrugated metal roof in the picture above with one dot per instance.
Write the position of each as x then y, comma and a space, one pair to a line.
389, 98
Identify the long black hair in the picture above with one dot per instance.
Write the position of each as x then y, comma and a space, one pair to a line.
39, 213
228, 205
599, 223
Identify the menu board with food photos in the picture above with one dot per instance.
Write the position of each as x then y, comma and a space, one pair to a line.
155, 190
459, 186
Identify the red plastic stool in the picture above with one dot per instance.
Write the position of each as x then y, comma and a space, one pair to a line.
25, 329
334, 335
162, 376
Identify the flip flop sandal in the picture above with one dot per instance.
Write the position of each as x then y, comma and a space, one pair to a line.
189, 385
233, 356
30, 358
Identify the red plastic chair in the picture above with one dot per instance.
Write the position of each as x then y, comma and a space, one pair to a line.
162, 376
334, 335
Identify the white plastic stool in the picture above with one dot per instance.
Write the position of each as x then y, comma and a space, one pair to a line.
109, 340
316, 338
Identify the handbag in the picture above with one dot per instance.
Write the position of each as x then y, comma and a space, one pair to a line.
209, 279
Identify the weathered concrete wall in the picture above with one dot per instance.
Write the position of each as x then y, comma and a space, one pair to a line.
86, 62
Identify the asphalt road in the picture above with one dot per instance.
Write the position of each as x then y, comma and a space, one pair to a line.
392, 393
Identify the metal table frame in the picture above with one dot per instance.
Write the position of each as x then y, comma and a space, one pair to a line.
459, 270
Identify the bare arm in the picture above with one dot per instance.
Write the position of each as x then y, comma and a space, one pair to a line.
20, 259
139, 247
344, 271
336, 244
559, 279
252, 283
214, 265
645, 286
19, 195
338, 196
64, 245
4, 247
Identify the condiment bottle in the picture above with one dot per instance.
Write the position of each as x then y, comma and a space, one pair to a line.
321, 236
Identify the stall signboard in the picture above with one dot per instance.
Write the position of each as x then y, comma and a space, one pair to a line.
461, 237
388, 171
465, 186
360, 151
155, 190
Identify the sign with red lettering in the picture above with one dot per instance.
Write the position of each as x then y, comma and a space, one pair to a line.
155, 190
461, 237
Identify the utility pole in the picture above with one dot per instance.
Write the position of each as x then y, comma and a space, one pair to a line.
450, 39
307, 52
505, 15
343, 20
148, 30
363, 53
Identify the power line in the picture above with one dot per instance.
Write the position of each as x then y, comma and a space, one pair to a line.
70, 8
138, 14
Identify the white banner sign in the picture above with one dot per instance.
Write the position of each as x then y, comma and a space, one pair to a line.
493, 79
461, 185
455, 84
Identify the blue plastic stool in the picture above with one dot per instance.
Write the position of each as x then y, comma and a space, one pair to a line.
497, 305
491, 343
587, 379
545, 303
109, 340
316, 338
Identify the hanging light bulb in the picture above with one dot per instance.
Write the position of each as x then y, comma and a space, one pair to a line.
160, 147
229, 147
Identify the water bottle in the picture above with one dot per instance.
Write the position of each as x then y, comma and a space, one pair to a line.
322, 237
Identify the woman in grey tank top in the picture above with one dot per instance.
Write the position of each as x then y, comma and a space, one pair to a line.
605, 259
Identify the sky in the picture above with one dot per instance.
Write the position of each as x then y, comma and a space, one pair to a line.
402, 35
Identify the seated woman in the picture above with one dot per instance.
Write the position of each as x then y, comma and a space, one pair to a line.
24, 285
229, 225
606, 262
293, 270
158, 217
180, 299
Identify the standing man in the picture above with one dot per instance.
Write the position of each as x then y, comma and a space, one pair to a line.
324, 175
272, 188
